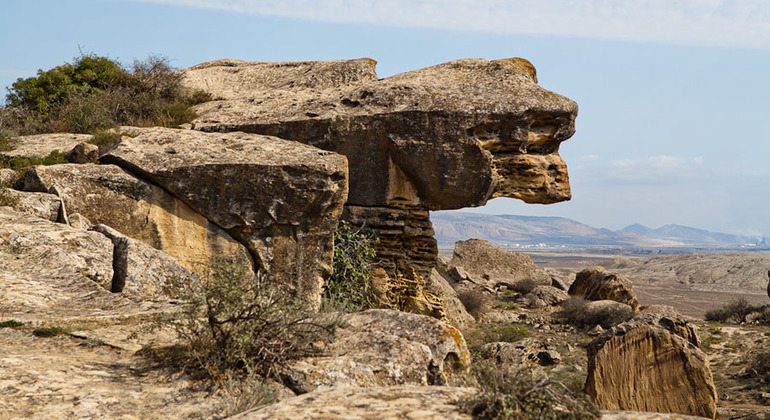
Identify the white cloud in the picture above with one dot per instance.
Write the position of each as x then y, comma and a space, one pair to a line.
656, 169
730, 23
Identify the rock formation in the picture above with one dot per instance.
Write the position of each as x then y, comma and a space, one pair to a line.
643, 367
444, 137
596, 283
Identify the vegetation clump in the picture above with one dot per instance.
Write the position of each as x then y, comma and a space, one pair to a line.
48, 331
94, 93
474, 303
350, 287
11, 323
736, 311
510, 393
578, 312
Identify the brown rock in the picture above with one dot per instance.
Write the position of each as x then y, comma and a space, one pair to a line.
646, 368
527, 351
454, 309
596, 283
107, 194
382, 347
371, 403
83, 153
493, 266
281, 199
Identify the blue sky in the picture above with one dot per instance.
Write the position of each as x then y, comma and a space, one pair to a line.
674, 95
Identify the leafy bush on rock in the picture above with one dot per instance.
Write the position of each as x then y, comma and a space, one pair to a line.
350, 287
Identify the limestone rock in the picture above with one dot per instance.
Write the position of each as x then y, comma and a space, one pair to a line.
646, 368
455, 311
42, 205
382, 347
527, 351
596, 283
142, 272
7, 177
371, 403
481, 128
494, 266
107, 194
543, 297
83, 153
281, 199
41, 145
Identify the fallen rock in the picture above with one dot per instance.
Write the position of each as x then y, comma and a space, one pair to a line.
596, 283
83, 153
41, 145
646, 368
279, 198
454, 309
42, 205
492, 266
382, 347
545, 297
109, 195
527, 351
371, 403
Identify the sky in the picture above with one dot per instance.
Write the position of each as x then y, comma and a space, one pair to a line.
674, 95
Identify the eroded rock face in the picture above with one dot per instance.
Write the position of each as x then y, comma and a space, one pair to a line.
382, 347
647, 368
596, 283
444, 137
492, 266
107, 194
41, 145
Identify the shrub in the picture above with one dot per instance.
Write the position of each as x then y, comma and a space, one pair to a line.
760, 363
48, 331
474, 302
350, 286
236, 321
509, 333
12, 323
735, 310
7, 198
94, 93
578, 312
512, 394
524, 286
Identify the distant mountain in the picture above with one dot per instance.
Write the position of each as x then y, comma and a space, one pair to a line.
509, 230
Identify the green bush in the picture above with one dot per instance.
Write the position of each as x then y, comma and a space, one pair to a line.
474, 303
507, 393
350, 287
577, 312
94, 93
236, 321
12, 323
48, 331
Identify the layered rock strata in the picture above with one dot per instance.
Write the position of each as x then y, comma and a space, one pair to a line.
444, 137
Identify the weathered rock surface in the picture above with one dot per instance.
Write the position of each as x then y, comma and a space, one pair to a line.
107, 194
444, 137
42, 205
382, 347
279, 198
527, 351
646, 368
7, 177
41, 145
544, 297
492, 266
83, 153
596, 283
455, 311
374, 403
668, 318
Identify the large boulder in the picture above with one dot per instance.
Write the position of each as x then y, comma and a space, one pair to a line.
596, 283
445, 137
381, 347
109, 195
492, 266
279, 198
641, 367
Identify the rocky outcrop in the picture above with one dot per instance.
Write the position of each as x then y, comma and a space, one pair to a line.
596, 283
382, 347
42, 205
640, 367
545, 297
279, 198
374, 403
492, 266
444, 137
109, 195
41, 145
528, 351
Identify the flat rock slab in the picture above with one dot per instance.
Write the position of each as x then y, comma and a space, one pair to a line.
41, 145
489, 265
376, 403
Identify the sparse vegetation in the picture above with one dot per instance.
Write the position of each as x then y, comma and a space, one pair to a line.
735, 311
760, 363
238, 323
512, 394
7, 198
11, 323
474, 302
578, 312
350, 287
94, 93
509, 333
48, 331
